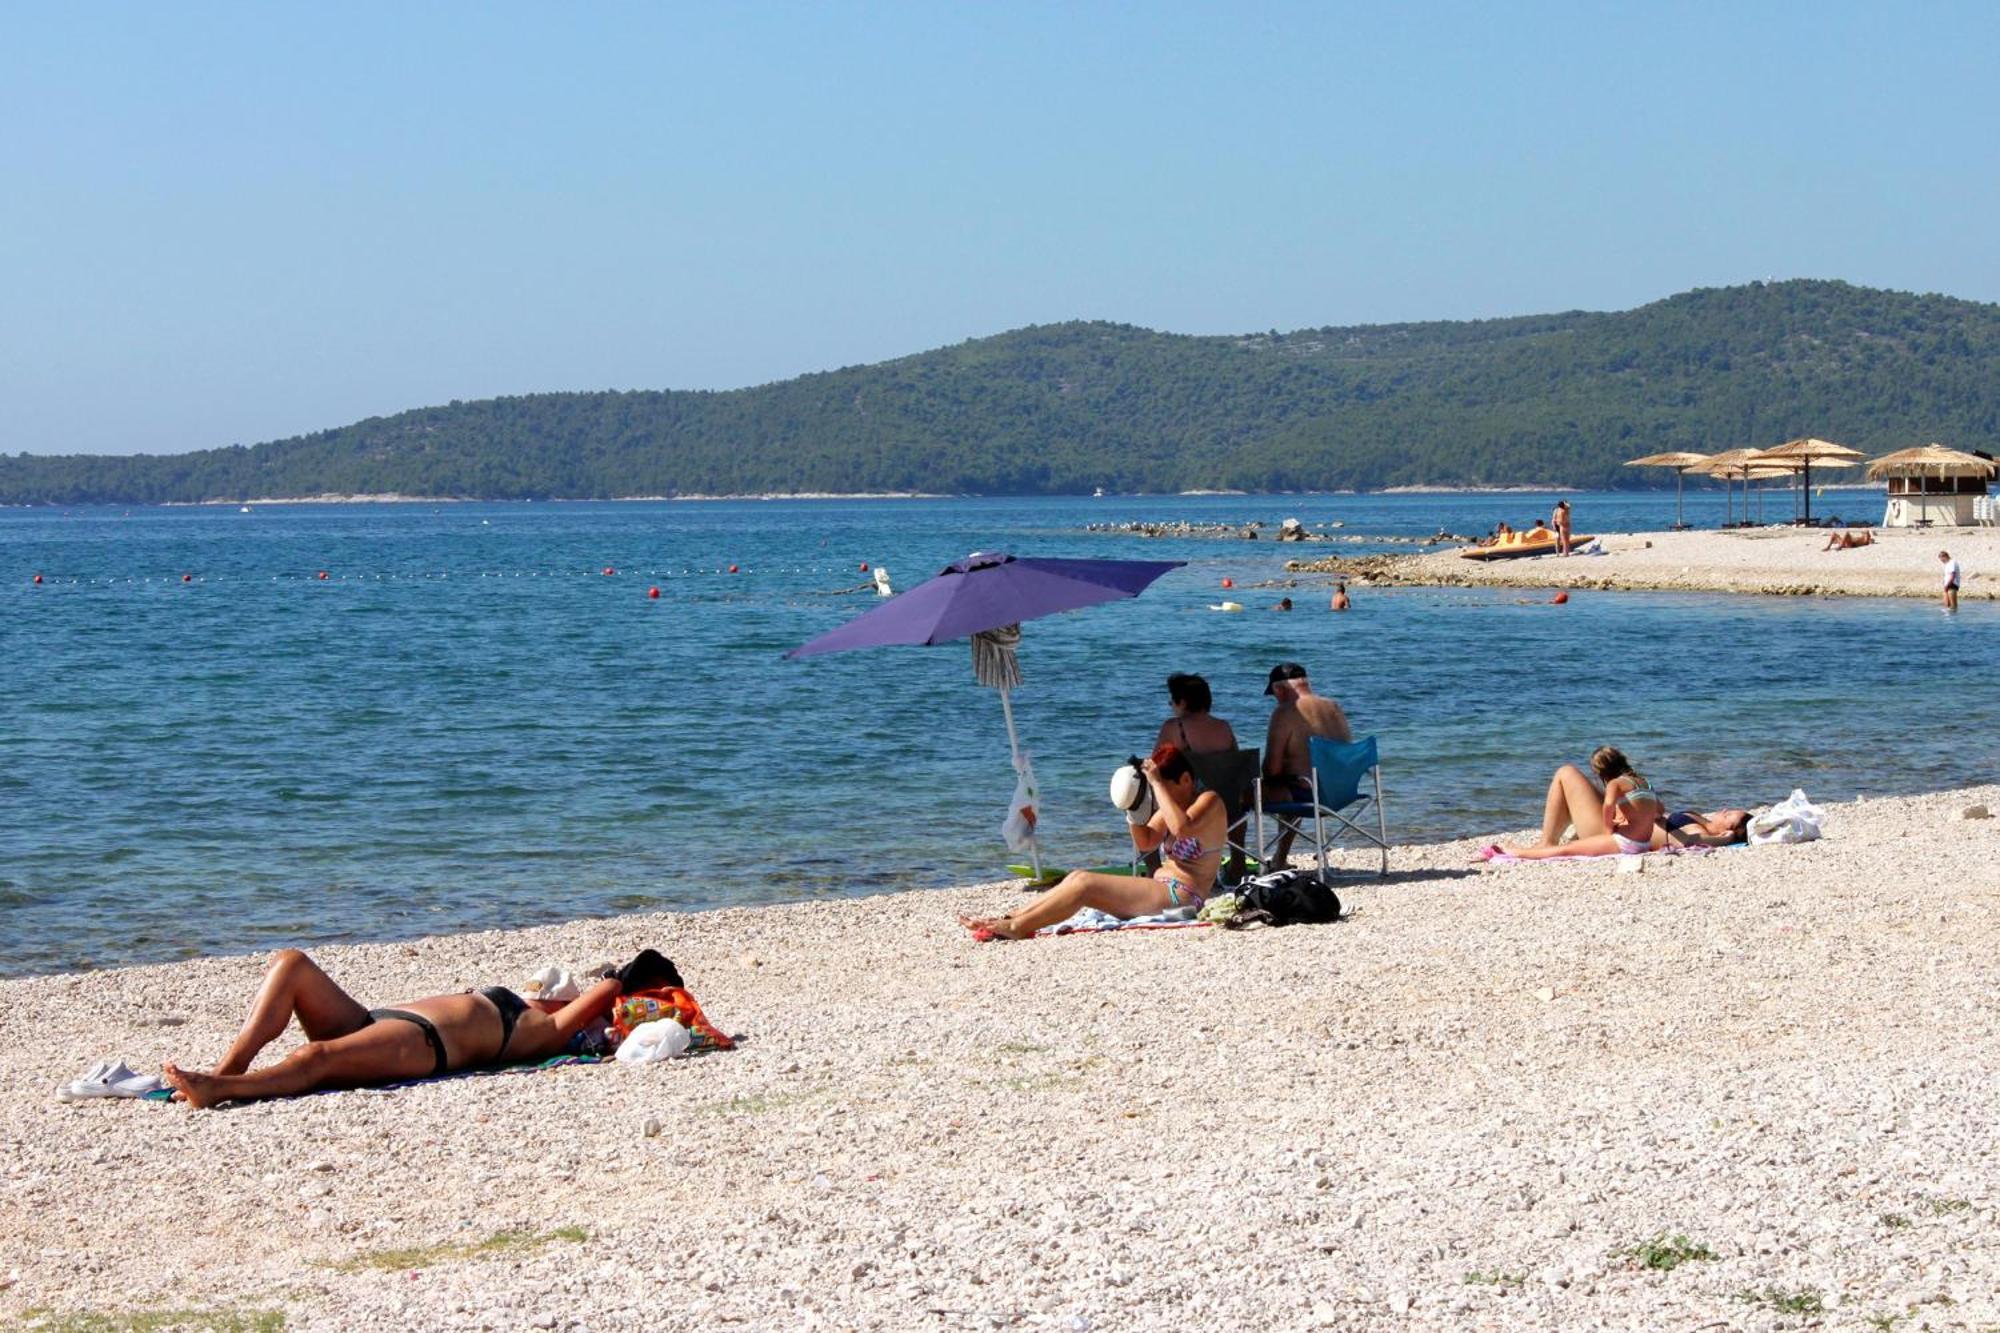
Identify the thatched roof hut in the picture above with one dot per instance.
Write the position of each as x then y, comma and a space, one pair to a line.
1934, 485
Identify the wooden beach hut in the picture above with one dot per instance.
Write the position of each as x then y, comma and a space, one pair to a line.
1934, 486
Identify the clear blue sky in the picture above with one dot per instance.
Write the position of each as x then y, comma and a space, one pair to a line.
230, 224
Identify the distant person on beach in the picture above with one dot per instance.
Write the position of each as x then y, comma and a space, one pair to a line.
1503, 533
1296, 717
1847, 541
1189, 830
1562, 527
1624, 816
1193, 729
1950, 580
350, 1046
1539, 533
1341, 601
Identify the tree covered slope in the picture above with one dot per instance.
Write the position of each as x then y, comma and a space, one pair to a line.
1552, 399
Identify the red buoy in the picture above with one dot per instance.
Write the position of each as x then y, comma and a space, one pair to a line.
653, 593
38, 578
864, 566
322, 575
732, 569
187, 578
1229, 583
1560, 599
609, 571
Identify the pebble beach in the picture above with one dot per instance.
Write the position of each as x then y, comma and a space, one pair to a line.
1746, 1089
1772, 561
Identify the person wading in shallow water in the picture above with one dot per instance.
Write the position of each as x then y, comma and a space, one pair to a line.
1340, 598
1951, 577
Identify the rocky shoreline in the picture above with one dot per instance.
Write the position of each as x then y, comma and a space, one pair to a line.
1718, 1093
1786, 562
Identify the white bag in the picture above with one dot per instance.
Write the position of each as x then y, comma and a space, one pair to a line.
1794, 819
649, 1043
1018, 829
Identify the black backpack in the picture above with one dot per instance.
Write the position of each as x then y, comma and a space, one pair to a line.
1284, 898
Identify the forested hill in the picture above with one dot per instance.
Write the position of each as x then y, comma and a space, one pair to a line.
1554, 399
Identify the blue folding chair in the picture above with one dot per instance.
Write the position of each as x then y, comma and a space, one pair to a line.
1338, 771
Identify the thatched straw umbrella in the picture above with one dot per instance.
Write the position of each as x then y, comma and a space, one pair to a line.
1805, 453
1734, 465
1680, 463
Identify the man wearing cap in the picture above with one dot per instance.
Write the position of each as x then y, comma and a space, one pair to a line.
1298, 715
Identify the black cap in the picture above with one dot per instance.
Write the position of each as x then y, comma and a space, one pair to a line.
1285, 671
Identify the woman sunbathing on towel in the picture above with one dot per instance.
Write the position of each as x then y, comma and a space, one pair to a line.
1626, 817
1847, 541
1189, 831
348, 1046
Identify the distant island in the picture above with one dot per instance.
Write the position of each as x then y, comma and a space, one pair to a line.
1544, 400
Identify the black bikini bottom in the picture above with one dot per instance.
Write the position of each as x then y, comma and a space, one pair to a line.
428, 1028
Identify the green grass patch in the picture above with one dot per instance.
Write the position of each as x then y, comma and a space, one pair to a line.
1893, 1221
1885, 1322
1493, 1277
1806, 1300
758, 1103
1021, 1048
1941, 1207
1664, 1252
424, 1256
147, 1321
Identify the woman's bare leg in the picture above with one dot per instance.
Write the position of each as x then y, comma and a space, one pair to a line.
383, 1052
293, 986
1120, 895
1572, 799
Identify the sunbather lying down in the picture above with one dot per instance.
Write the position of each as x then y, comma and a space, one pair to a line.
349, 1046
1624, 816
1847, 541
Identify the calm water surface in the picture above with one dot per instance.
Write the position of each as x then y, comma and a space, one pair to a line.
467, 724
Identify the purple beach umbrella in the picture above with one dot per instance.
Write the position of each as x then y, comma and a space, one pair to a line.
985, 597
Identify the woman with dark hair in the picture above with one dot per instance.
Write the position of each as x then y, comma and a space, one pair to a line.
1624, 816
1187, 828
349, 1045
1192, 729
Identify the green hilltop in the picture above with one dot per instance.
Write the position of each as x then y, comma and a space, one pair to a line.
1548, 399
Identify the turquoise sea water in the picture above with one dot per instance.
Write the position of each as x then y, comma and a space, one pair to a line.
467, 724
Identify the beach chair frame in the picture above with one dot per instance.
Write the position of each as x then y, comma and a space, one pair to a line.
1338, 773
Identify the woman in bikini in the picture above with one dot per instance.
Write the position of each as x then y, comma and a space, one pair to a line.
1626, 816
349, 1046
1193, 729
1189, 829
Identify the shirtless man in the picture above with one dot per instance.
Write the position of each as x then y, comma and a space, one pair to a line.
1562, 527
1298, 716
1341, 601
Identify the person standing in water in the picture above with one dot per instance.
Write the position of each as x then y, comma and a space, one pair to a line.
1951, 576
1340, 598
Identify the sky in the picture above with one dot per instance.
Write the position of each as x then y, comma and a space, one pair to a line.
225, 224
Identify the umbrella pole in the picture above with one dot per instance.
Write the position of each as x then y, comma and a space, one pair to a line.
1680, 519
1805, 480
1014, 748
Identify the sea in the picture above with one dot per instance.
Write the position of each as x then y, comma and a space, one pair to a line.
226, 729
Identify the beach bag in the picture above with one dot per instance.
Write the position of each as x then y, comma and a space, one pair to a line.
1794, 819
1284, 898
650, 1006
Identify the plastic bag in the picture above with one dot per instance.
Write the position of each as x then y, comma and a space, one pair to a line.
1018, 830
661, 1039
1794, 819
